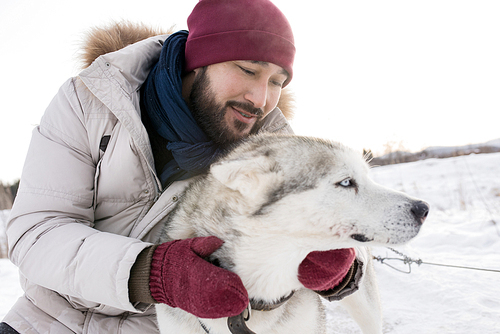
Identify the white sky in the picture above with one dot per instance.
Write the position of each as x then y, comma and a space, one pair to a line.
420, 73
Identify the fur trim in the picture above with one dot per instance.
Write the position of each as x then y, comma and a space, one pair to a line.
287, 103
117, 35
113, 37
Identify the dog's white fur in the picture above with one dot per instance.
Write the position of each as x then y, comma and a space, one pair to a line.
275, 198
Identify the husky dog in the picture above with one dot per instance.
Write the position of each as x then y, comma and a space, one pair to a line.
273, 200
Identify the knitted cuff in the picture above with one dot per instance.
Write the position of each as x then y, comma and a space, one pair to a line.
343, 289
138, 283
156, 279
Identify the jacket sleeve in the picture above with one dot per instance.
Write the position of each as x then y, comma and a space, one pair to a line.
50, 230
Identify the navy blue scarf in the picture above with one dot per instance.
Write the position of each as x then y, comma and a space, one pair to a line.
161, 97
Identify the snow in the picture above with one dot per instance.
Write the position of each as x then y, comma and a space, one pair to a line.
463, 229
3, 237
10, 290
494, 143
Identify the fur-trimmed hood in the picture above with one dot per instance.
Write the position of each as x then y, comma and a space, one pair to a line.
115, 36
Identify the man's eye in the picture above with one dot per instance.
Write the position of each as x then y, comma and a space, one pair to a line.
277, 83
246, 71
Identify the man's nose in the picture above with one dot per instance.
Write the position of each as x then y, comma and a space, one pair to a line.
257, 95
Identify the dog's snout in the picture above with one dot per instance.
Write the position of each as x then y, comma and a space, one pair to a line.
420, 210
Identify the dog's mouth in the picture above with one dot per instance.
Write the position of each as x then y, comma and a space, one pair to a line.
361, 237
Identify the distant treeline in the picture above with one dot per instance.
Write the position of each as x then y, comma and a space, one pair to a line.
7, 194
398, 157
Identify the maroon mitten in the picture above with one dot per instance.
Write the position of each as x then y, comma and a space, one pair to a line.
322, 271
180, 277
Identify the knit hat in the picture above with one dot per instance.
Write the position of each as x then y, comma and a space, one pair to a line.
225, 30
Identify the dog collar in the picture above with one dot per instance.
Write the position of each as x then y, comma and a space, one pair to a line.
237, 324
260, 305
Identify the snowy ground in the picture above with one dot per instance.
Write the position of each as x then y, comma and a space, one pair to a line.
463, 229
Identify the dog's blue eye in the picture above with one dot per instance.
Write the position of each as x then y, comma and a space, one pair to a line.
345, 183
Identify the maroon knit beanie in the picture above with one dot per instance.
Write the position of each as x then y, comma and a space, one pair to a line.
225, 30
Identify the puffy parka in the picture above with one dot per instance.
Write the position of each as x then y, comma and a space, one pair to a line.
90, 201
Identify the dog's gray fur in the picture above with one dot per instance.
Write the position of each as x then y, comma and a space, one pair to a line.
275, 198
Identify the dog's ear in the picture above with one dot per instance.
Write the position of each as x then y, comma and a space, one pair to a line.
246, 176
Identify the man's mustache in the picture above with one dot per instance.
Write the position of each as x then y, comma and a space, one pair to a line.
246, 107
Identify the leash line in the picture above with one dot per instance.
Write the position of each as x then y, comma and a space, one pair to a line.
460, 267
408, 260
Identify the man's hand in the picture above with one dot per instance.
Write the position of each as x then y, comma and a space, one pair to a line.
321, 271
180, 277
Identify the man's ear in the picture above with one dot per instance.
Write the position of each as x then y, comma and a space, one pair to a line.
246, 176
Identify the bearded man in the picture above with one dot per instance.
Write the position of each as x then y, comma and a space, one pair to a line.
136, 124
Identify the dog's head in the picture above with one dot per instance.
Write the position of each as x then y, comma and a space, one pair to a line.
275, 198
315, 191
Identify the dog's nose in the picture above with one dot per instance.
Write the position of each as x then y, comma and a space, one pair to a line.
420, 210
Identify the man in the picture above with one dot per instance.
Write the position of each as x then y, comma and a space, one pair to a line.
136, 124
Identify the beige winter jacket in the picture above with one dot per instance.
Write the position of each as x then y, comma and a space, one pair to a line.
82, 214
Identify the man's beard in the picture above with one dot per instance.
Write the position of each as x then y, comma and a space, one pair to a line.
210, 115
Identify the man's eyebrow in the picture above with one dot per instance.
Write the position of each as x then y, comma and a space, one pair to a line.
265, 64
260, 62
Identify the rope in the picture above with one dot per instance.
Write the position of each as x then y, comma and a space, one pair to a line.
408, 260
